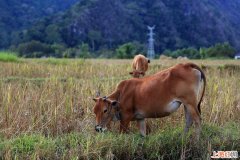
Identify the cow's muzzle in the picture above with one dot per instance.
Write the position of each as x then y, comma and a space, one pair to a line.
98, 128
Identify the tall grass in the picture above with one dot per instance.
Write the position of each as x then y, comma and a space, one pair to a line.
8, 56
46, 111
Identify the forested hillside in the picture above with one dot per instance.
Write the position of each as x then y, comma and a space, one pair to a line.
16, 15
106, 24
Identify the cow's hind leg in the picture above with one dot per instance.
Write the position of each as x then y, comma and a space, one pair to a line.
188, 120
142, 127
195, 116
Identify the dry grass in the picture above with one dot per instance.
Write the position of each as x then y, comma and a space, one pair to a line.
52, 97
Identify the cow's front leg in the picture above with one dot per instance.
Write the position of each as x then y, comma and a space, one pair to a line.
142, 127
124, 124
109, 126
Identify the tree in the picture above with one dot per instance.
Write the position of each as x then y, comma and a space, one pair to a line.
58, 50
203, 52
83, 51
94, 36
52, 34
69, 53
4, 41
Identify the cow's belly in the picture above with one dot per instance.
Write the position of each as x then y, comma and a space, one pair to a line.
172, 106
158, 111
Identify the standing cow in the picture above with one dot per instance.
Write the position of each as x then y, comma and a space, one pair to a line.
139, 66
154, 96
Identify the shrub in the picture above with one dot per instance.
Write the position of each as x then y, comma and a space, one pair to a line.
128, 50
27, 49
69, 53
185, 52
218, 50
58, 50
105, 53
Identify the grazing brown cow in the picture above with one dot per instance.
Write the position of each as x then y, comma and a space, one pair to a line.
139, 66
154, 96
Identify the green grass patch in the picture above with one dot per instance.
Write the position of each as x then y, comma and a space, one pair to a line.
167, 143
55, 61
8, 57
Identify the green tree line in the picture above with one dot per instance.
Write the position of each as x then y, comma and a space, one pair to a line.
219, 50
36, 49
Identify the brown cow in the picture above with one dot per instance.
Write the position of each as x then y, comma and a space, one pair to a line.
139, 66
154, 96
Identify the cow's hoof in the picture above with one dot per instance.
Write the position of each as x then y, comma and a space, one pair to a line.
142, 136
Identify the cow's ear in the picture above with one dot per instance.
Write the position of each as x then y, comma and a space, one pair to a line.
104, 98
131, 73
95, 99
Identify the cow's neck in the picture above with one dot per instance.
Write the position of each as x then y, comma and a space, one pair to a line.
115, 95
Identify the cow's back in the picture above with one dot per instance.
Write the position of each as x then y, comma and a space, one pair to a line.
140, 63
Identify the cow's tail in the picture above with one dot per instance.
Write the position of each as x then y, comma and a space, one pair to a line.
203, 77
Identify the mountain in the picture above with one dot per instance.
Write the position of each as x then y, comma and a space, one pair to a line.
20, 14
110, 23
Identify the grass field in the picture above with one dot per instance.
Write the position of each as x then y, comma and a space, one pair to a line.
46, 112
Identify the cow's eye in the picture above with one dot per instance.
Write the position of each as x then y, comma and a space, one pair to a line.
105, 110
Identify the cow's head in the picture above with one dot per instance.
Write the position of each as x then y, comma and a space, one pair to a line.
106, 110
136, 74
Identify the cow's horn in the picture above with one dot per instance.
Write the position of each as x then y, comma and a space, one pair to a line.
98, 93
